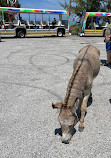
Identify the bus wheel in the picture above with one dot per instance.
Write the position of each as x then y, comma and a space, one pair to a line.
21, 34
60, 33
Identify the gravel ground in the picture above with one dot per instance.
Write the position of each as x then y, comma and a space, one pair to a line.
34, 72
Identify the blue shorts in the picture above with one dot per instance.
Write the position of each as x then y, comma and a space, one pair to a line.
108, 46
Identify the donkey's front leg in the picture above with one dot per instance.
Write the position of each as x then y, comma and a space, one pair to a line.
83, 110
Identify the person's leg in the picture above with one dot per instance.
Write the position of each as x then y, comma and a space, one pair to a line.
108, 54
108, 57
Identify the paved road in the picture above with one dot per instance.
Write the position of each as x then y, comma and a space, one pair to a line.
34, 72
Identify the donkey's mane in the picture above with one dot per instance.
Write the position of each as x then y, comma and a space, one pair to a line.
71, 82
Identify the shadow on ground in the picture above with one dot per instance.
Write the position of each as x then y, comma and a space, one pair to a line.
103, 62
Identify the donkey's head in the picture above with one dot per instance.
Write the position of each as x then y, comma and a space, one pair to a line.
67, 119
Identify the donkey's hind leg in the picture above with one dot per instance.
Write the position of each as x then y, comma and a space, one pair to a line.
83, 110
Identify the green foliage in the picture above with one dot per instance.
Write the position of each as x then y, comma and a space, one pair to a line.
3, 3
75, 29
106, 5
78, 7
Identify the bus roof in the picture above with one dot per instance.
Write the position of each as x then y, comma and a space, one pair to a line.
37, 11
97, 14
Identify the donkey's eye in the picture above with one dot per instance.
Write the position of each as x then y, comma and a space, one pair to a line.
70, 126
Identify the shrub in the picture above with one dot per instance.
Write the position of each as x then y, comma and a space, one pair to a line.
75, 29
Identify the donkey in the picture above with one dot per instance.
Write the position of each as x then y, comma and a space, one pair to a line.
86, 68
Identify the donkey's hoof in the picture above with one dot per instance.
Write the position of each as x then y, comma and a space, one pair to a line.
81, 129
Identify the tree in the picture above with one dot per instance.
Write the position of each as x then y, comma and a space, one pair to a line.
3, 3
106, 5
78, 7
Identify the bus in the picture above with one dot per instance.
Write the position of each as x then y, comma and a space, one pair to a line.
27, 28
94, 23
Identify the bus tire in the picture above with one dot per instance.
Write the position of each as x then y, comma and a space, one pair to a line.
60, 33
21, 34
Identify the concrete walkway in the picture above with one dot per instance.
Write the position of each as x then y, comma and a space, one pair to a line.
34, 72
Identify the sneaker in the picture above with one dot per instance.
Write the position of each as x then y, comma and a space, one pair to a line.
105, 64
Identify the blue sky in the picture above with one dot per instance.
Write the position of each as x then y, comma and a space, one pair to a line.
41, 4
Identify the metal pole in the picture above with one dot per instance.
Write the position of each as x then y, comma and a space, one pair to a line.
3, 19
29, 17
49, 22
42, 17
35, 24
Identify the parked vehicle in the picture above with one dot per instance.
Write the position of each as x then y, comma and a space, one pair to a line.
93, 28
27, 28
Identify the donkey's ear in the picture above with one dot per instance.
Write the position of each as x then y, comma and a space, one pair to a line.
57, 105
